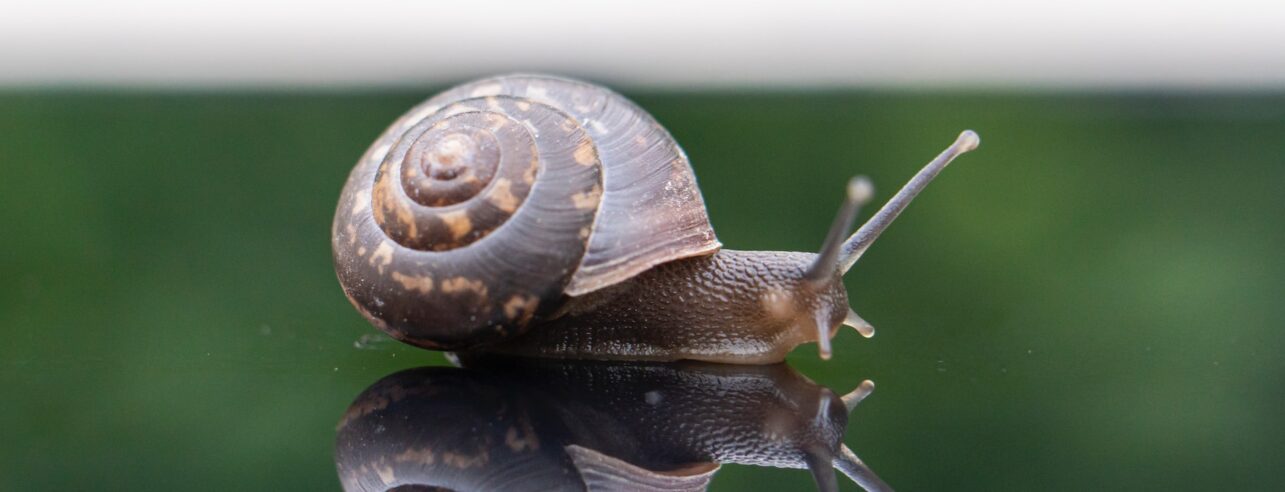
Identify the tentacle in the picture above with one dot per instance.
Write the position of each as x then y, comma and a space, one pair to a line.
862, 326
822, 322
859, 192
861, 240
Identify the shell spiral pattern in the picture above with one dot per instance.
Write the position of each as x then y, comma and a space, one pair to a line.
483, 207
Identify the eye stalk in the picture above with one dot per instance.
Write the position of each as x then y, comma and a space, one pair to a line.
866, 235
837, 255
825, 269
859, 192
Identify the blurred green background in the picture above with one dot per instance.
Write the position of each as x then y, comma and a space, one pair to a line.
1092, 300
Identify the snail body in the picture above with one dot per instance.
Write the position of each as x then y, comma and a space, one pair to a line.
731, 306
544, 216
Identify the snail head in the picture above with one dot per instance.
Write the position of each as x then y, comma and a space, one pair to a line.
828, 308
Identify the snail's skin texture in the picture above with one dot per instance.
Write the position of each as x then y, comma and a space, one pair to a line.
517, 424
747, 307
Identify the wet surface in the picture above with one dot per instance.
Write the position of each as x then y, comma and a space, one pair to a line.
1090, 300
514, 424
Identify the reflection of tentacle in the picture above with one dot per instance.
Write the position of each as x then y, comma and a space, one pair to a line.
851, 400
821, 464
854, 468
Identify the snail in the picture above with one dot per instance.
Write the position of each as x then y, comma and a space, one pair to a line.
533, 424
543, 216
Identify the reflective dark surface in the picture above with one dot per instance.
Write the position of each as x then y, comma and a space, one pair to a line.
522, 424
1091, 300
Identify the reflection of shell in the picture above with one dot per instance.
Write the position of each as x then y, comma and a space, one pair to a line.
462, 430
586, 426
377, 449
481, 206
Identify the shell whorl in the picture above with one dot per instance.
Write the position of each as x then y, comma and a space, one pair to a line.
457, 176
652, 211
481, 208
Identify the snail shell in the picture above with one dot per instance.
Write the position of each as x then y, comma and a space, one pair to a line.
482, 208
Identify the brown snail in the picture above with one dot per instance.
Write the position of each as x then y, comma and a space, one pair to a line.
519, 424
537, 215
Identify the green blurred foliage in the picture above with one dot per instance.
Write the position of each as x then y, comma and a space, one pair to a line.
1091, 300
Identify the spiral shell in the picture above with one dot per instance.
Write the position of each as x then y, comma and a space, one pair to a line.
482, 208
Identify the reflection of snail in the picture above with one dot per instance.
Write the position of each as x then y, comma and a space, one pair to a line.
529, 200
523, 425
